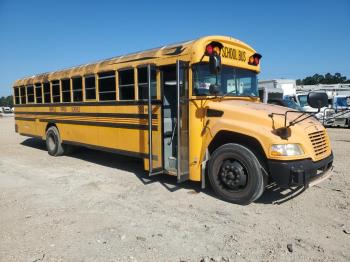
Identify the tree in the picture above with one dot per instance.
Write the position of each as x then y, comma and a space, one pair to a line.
328, 78
6, 101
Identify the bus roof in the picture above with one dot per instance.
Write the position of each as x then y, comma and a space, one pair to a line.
146, 56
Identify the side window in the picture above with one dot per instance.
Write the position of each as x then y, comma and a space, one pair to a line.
65, 90
106, 86
17, 97
142, 76
56, 94
38, 93
23, 95
90, 87
47, 96
126, 85
77, 89
30, 94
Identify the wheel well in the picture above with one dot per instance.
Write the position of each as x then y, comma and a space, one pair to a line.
225, 137
50, 125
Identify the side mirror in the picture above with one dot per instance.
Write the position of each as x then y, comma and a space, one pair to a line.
214, 89
317, 99
214, 64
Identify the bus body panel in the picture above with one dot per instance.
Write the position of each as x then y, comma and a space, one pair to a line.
91, 123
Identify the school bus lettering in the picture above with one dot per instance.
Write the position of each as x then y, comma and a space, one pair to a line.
232, 53
76, 109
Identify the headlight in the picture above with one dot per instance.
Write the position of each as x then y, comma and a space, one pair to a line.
286, 150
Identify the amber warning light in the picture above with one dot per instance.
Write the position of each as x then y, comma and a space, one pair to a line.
254, 59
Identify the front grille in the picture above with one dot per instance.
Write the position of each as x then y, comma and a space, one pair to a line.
319, 142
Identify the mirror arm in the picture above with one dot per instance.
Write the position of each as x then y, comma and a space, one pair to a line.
202, 58
293, 122
296, 122
285, 118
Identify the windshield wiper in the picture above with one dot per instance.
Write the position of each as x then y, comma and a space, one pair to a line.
228, 93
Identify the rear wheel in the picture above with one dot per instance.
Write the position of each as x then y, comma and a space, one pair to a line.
235, 174
53, 142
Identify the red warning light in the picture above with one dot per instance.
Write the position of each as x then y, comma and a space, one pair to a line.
209, 50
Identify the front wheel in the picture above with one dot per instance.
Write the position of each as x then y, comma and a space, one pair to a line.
235, 174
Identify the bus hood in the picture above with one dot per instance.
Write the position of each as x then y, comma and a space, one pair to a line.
259, 113
255, 119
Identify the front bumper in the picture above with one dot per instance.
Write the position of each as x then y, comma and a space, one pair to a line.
300, 172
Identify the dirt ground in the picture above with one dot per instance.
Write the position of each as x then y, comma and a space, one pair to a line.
96, 206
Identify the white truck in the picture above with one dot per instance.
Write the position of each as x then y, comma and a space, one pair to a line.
279, 92
6, 109
288, 86
338, 111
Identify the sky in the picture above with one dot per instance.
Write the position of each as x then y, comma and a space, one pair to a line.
296, 38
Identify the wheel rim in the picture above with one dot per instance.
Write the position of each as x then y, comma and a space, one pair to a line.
233, 175
51, 143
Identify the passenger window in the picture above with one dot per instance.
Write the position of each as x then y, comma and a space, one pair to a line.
106, 86
56, 94
66, 97
47, 95
23, 95
30, 94
38, 93
77, 89
142, 75
90, 87
17, 97
126, 85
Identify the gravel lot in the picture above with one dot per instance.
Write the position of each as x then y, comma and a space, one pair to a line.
96, 206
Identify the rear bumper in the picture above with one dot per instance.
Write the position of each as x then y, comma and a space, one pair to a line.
300, 172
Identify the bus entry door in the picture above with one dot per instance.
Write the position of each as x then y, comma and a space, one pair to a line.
154, 114
182, 95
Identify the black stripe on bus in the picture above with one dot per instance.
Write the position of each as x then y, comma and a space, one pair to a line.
90, 123
112, 115
111, 150
104, 124
24, 118
103, 103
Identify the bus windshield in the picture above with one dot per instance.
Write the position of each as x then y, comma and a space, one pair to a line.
231, 80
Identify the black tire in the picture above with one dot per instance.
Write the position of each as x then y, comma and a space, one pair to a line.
53, 142
235, 174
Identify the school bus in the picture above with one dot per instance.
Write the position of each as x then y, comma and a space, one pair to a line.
189, 109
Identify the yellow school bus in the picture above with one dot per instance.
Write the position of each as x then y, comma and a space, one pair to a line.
189, 109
